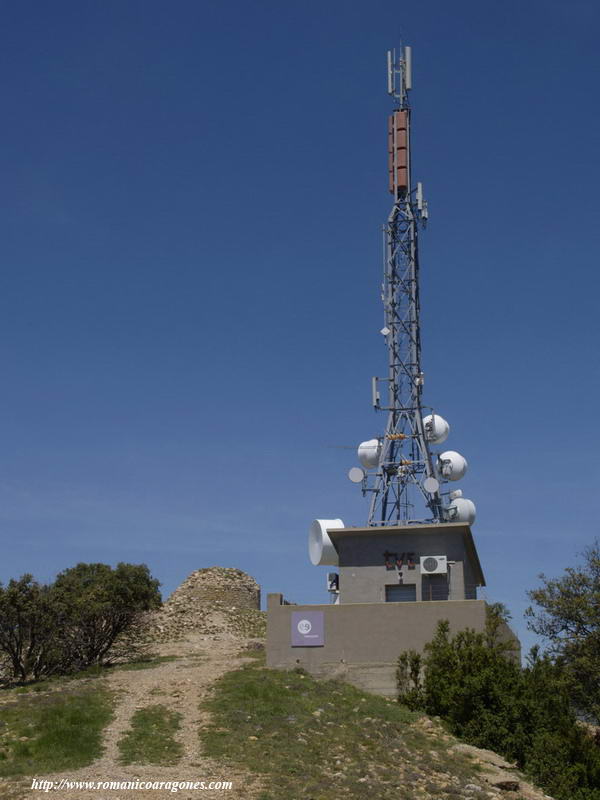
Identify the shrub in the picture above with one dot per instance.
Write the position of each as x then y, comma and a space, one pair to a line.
92, 614
487, 699
101, 605
29, 627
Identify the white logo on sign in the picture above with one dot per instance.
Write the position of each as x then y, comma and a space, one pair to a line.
304, 626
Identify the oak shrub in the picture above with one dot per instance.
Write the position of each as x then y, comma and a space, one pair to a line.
484, 696
92, 614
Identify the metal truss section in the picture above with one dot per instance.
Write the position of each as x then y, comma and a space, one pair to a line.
405, 461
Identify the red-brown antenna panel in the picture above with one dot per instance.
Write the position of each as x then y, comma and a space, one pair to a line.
398, 151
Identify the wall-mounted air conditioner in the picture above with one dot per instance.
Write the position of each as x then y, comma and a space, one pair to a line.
433, 565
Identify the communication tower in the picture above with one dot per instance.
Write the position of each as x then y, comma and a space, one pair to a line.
400, 471
415, 561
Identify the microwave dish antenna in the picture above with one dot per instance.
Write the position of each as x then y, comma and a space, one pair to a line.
462, 510
452, 465
320, 547
436, 429
369, 453
357, 475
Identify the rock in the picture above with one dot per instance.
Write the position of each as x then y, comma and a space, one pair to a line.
488, 756
507, 785
472, 787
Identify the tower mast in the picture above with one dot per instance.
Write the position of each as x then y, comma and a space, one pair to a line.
406, 472
399, 469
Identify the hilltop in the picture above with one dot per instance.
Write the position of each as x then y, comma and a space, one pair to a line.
205, 708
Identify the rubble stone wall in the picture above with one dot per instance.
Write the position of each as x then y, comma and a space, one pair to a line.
212, 601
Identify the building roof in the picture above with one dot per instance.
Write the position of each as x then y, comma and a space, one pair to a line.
459, 528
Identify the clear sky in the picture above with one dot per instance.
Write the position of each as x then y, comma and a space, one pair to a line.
191, 205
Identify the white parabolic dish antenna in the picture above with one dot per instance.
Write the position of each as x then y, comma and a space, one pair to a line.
462, 510
320, 547
431, 485
436, 428
452, 465
356, 475
369, 452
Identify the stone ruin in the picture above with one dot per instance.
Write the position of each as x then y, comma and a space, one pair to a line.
214, 601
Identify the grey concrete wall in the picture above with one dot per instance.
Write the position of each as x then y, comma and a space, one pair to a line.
363, 640
364, 576
470, 581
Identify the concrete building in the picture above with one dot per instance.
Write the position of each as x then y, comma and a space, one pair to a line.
394, 585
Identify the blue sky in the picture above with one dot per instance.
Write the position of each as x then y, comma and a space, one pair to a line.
191, 207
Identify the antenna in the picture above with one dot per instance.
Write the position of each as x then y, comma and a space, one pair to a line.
408, 67
419, 196
390, 62
399, 468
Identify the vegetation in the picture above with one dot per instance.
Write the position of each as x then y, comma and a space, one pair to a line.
568, 617
150, 740
102, 607
487, 699
28, 630
54, 731
91, 615
326, 739
100, 670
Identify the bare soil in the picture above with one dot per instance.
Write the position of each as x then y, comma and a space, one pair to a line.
180, 685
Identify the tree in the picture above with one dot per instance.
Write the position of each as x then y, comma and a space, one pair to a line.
29, 630
102, 607
568, 617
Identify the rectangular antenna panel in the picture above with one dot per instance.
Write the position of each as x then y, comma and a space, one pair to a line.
390, 72
408, 67
398, 151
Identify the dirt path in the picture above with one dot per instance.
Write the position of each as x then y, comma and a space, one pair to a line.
180, 685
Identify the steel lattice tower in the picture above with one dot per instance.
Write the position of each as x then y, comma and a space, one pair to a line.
406, 472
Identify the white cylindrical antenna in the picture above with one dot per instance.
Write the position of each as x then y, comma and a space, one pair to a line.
420, 196
408, 68
390, 72
375, 393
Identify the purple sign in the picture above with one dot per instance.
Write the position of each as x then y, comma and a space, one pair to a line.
307, 629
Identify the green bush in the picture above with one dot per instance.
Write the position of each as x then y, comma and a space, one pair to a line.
29, 631
91, 615
487, 699
100, 605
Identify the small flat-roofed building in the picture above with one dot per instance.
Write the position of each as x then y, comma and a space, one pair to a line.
394, 584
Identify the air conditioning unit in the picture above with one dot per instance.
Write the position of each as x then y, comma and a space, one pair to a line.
433, 565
